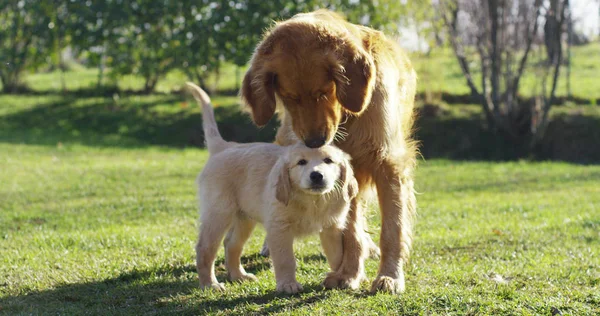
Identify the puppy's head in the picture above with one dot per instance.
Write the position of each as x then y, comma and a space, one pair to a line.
317, 171
316, 70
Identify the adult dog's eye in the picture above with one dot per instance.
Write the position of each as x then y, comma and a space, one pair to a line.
327, 160
302, 162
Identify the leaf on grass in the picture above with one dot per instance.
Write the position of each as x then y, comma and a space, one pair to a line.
497, 232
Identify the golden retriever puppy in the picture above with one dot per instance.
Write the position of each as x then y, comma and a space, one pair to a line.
292, 191
331, 81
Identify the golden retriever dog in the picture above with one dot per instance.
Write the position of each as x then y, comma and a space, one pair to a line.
292, 191
331, 81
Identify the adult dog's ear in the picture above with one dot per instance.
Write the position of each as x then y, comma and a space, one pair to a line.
283, 187
354, 75
349, 183
258, 93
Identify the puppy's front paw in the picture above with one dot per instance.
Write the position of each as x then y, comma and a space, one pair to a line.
243, 277
337, 280
387, 284
289, 287
213, 286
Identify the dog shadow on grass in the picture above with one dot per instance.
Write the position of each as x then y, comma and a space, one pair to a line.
163, 290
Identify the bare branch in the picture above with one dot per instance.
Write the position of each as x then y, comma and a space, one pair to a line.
495, 72
530, 37
458, 49
558, 60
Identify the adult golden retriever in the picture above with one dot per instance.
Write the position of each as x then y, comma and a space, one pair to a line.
333, 81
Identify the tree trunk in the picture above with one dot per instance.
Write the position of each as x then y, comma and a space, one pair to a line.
11, 79
237, 77
452, 26
551, 31
200, 80
150, 84
215, 86
569, 39
495, 57
101, 64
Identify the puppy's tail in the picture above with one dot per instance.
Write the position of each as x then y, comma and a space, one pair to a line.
214, 141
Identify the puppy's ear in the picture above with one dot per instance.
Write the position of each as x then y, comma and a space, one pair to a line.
283, 187
349, 183
354, 75
258, 92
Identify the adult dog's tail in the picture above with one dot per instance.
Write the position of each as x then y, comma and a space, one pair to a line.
213, 139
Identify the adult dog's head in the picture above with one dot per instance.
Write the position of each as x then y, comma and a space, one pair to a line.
317, 67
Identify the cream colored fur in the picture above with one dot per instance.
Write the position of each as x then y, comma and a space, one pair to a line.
245, 184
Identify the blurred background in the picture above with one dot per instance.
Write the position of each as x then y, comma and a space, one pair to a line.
498, 79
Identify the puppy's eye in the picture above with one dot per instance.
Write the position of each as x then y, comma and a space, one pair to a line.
327, 160
302, 162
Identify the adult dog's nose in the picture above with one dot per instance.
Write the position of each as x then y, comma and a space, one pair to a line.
316, 177
315, 142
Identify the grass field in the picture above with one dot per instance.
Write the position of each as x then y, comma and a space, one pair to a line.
98, 216
111, 230
98, 211
438, 72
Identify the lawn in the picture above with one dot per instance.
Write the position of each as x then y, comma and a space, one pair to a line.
584, 69
98, 216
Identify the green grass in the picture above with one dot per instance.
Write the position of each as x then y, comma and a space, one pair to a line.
81, 78
112, 230
98, 216
438, 72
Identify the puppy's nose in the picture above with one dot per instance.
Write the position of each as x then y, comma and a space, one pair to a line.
315, 142
316, 177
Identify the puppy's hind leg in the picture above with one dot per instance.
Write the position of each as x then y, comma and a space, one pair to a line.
265, 249
216, 218
234, 244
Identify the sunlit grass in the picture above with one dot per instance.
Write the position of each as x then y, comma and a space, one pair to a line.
88, 230
438, 72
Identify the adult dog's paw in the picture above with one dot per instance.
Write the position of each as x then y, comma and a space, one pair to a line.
337, 280
213, 286
387, 284
289, 287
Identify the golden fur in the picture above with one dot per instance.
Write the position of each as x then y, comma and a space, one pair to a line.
292, 191
333, 81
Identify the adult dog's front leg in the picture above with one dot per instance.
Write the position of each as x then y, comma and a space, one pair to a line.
398, 205
351, 270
